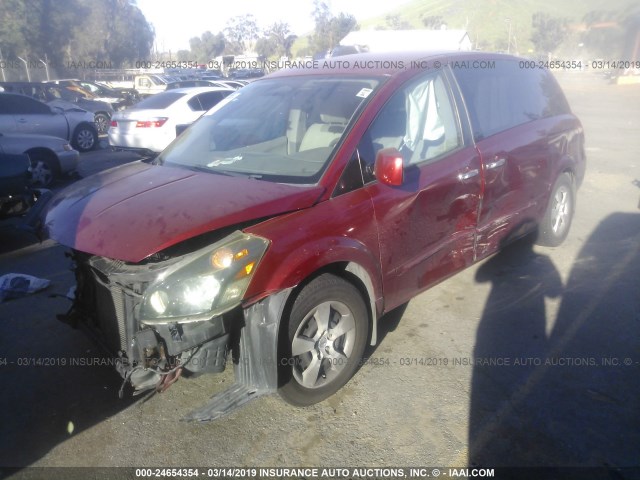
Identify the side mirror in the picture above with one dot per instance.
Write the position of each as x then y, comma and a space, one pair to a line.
389, 167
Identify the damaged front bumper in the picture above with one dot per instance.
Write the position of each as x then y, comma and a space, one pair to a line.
152, 354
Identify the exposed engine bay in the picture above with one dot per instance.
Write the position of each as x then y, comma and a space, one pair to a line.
180, 312
108, 298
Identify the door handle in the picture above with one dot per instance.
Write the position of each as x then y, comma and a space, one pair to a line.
469, 174
498, 162
22, 120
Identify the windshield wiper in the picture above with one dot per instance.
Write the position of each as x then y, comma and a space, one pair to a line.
226, 173
232, 173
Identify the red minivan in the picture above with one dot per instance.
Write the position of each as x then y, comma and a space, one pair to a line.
279, 228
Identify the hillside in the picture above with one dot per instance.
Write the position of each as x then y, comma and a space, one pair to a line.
488, 21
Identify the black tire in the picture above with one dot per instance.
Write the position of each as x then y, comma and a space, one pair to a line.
556, 223
326, 335
44, 169
84, 138
102, 121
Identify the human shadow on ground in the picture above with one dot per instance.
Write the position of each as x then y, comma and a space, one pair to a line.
561, 389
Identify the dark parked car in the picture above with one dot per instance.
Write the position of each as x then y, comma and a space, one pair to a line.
288, 219
119, 98
239, 73
17, 196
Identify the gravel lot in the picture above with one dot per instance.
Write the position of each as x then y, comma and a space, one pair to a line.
419, 400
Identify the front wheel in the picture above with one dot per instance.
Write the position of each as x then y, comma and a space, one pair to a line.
84, 138
555, 225
102, 121
43, 170
327, 334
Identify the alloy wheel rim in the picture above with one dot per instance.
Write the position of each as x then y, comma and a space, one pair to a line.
85, 139
41, 173
323, 344
102, 123
561, 210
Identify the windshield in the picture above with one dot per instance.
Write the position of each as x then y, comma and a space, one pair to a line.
62, 93
158, 101
280, 129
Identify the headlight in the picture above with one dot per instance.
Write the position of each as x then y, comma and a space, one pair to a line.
208, 282
66, 147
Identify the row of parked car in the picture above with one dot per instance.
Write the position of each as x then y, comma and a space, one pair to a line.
53, 121
152, 83
42, 122
51, 135
98, 99
47, 124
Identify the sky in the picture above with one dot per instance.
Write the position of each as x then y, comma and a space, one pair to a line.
175, 22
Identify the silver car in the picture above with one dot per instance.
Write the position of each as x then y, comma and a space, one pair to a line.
50, 156
22, 114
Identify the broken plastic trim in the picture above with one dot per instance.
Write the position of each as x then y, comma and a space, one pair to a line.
256, 372
161, 385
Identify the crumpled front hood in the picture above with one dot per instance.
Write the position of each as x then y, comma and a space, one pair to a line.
136, 210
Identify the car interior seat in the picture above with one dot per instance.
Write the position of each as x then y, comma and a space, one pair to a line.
325, 133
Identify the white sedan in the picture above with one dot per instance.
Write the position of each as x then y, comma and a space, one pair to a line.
151, 124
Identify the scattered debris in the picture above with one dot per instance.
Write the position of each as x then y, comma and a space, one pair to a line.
14, 285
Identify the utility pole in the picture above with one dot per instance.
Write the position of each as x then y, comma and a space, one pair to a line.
4, 79
46, 65
26, 67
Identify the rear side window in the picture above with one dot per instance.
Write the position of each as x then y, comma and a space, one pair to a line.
21, 105
206, 101
506, 96
159, 100
62, 93
91, 88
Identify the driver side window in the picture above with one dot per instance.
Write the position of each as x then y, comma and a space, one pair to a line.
418, 120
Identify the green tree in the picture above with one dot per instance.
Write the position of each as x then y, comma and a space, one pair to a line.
110, 30
604, 33
241, 32
433, 22
548, 32
341, 25
288, 44
75, 30
329, 29
207, 46
394, 22
27, 27
184, 55
12, 41
265, 47
130, 37
276, 41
